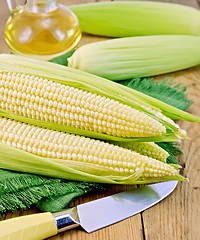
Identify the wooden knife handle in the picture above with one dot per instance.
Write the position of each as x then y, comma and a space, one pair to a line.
31, 227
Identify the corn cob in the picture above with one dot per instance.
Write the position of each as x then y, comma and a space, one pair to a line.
182, 132
149, 149
126, 58
24, 134
38, 98
38, 150
53, 101
126, 19
90, 83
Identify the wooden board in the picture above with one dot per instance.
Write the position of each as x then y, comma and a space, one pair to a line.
178, 216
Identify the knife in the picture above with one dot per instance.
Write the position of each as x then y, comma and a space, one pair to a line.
90, 216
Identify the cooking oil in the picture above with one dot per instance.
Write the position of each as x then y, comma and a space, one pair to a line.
43, 29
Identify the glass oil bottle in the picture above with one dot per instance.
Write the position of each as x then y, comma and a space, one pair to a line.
41, 28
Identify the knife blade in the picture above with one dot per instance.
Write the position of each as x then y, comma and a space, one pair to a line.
90, 216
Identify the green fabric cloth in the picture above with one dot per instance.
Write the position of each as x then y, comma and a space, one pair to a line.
167, 91
21, 191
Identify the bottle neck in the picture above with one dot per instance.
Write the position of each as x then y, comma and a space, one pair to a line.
41, 6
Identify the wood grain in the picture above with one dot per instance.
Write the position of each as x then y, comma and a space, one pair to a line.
178, 216
4, 14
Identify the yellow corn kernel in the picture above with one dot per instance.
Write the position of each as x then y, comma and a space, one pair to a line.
182, 133
149, 149
62, 146
38, 98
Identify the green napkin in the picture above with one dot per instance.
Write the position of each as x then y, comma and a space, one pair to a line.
21, 191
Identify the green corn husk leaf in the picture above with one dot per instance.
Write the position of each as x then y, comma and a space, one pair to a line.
97, 85
131, 57
14, 159
166, 91
134, 18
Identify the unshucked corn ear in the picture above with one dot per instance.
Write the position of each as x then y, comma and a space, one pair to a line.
68, 100
24, 147
126, 58
126, 19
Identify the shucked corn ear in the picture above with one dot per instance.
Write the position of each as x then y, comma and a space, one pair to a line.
91, 83
149, 149
52, 97
126, 19
24, 147
38, 100
126, 58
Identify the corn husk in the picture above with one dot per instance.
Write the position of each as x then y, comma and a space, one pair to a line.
126, 58
137, 18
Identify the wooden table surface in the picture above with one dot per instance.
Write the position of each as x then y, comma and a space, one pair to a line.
177, 216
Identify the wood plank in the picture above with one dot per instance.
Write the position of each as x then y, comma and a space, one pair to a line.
121, 230
126, 230
4, 14
73, 2
177, 217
